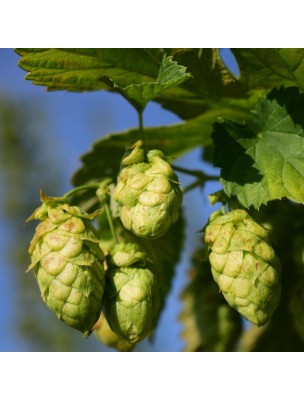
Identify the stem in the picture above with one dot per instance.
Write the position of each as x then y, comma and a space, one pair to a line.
193, 186
223, 208
141, 129
199, 174
94, 230
141, 125
110, 221
83, 187
103, 196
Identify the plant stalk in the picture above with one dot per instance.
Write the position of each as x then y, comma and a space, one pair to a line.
141, 130
110, 221
82, 187
197, 173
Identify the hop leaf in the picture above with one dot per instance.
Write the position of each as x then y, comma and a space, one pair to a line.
131, 297
148, 193
244, 265
68, 263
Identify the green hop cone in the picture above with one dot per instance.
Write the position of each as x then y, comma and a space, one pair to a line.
244, 264
131, 295
148, 193
68, 263
109, 338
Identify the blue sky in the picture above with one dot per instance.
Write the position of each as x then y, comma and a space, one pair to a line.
76, 121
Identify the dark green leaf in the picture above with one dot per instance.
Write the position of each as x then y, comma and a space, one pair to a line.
264, 161
268, 68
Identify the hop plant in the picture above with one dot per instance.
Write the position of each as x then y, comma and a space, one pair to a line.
131, 299
68, 263
148, 193
244, 264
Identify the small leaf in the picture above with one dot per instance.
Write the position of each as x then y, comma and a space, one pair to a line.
170, 74
264, 161
209, 323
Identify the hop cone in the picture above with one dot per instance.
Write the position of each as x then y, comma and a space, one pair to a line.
148, 193
244, 264
130, 297
68, 263
209, 323
109, 338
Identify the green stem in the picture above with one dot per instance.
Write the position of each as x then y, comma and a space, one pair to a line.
141, 125
193, 186
141, 129
197, 173
104, 196
110, 221
83, 187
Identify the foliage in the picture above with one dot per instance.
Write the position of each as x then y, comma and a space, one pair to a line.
252, 124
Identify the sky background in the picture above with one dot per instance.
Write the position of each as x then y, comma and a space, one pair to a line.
68, 124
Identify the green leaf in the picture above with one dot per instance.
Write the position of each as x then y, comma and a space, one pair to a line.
269, 68
170, 74
209, 323
89, 69
212, 87
264, 161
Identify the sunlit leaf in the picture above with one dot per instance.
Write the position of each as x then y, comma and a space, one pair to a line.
170, 74
264, 161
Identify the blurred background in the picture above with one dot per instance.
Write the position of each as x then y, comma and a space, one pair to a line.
42, 137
